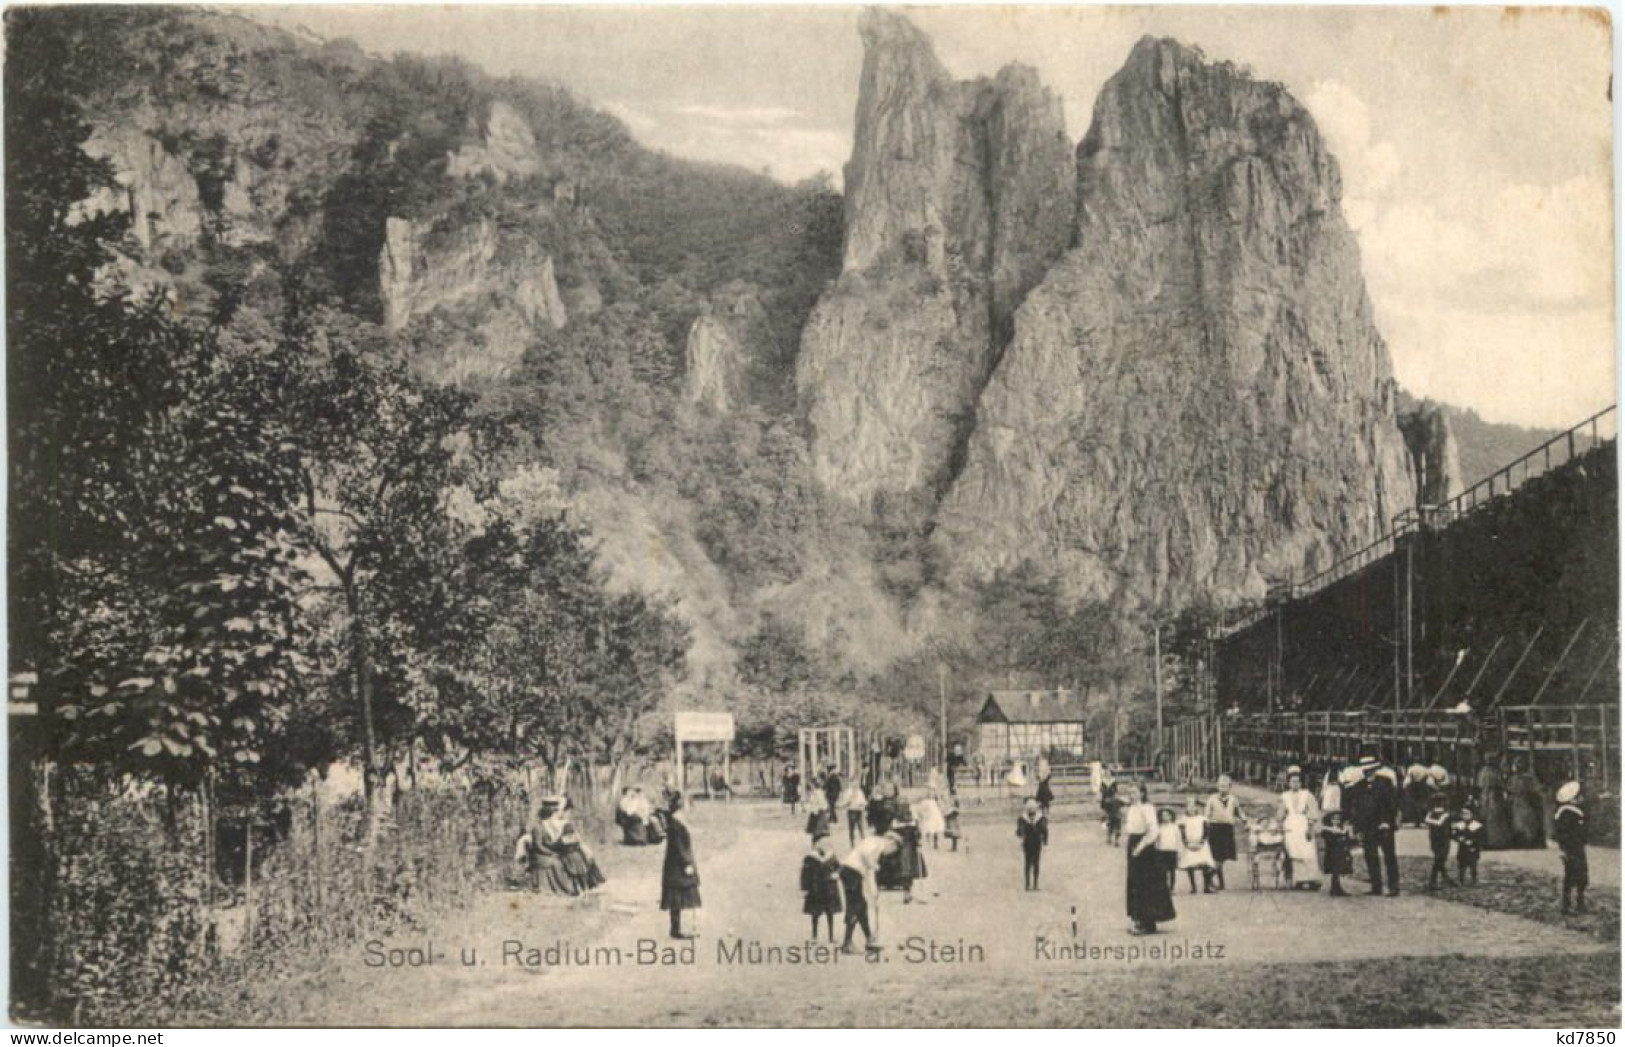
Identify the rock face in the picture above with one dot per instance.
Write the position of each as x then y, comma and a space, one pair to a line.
722, 343
1195, 397
502, 285
1435, 455
507, 150
158, 190
959, 195
423, 270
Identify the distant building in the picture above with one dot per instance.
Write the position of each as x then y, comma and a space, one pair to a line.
1021, 725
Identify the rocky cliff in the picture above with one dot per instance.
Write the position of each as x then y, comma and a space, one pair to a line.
1147, 365
506, 149
723, 344
1195, 396
959, 195
503, 236
1435, 452
505, 283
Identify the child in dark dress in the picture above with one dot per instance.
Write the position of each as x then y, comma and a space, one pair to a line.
950, 822
1470, 836
821, 883
1111, 807
1437, 822
1339, 843
817, 821
1168, 844
790, 787
1046, 794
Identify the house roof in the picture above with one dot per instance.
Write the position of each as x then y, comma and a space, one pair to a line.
1032, 707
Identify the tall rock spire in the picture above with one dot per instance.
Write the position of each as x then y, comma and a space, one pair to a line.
958, 196
1195, 397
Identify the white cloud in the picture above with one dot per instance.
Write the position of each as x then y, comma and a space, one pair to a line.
1506, 304
1370, 168
1495, 295
1550, 369
1343, 118
637, 120
1559, 239
753, 116
1527, 247
759, 138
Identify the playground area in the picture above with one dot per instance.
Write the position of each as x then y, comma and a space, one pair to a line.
975, 949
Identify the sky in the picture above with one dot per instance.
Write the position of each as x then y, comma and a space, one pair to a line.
1476, 143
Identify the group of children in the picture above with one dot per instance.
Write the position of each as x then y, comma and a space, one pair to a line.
1462, 828
886, 833
1197, 844
934, 824
1184, 845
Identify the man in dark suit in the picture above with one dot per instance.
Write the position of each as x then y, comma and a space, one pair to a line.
1372, 804
832, 792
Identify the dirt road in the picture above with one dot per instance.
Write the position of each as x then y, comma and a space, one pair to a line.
977, 950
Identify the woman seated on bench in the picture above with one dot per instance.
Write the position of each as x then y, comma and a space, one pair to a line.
636, 817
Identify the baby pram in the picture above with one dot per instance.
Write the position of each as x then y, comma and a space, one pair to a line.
1266, 857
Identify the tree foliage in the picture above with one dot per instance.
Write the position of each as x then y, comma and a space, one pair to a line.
153, 575
242, 552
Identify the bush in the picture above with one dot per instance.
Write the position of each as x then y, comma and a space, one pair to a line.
144, 935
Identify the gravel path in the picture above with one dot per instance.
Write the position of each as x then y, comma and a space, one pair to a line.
979, 950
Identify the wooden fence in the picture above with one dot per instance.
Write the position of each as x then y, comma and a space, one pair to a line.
1569, 741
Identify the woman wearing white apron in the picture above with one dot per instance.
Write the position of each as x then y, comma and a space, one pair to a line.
1300, 818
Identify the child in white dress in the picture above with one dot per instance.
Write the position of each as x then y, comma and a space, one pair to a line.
1194, 852
928, 815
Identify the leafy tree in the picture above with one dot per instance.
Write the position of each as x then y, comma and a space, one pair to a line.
565, 670
153, 577
378, 452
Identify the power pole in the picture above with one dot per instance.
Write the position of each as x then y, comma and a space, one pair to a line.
1281, 665
1410, 643
942, 713
1117, 722
1156, 674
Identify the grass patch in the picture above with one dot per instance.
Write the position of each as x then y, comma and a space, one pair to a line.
1520, 892
1455, 991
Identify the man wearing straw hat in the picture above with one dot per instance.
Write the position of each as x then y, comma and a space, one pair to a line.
1373, 809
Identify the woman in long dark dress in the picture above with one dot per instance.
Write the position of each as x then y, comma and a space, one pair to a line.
910, 858
882, 811
679, 876
1527, 805
790, 787
1149, 900
1495, 804
545, 868
900, 868
558, 836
